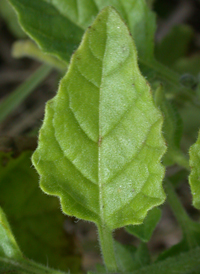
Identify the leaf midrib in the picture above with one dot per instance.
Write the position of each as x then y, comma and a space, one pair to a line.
101, 206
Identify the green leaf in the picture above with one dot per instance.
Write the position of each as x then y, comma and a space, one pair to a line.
145, 230
57, 26
35, 218
8, 245
44, 23
140, 20
100, 145
194, 177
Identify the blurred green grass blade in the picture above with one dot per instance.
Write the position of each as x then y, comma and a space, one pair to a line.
16, 97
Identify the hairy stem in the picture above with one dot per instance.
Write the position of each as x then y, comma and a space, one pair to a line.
107, 248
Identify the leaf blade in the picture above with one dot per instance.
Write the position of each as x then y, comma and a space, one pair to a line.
53, 32
98, 111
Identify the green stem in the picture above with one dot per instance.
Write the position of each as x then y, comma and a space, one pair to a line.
16, 97
107, 248
181, 215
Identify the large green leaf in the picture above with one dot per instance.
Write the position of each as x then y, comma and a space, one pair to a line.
35, 218
100, 145
57, 26
194, 178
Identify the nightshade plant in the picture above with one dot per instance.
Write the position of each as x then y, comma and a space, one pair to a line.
108, 130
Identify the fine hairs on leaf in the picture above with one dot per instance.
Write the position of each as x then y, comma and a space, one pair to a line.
104, 133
